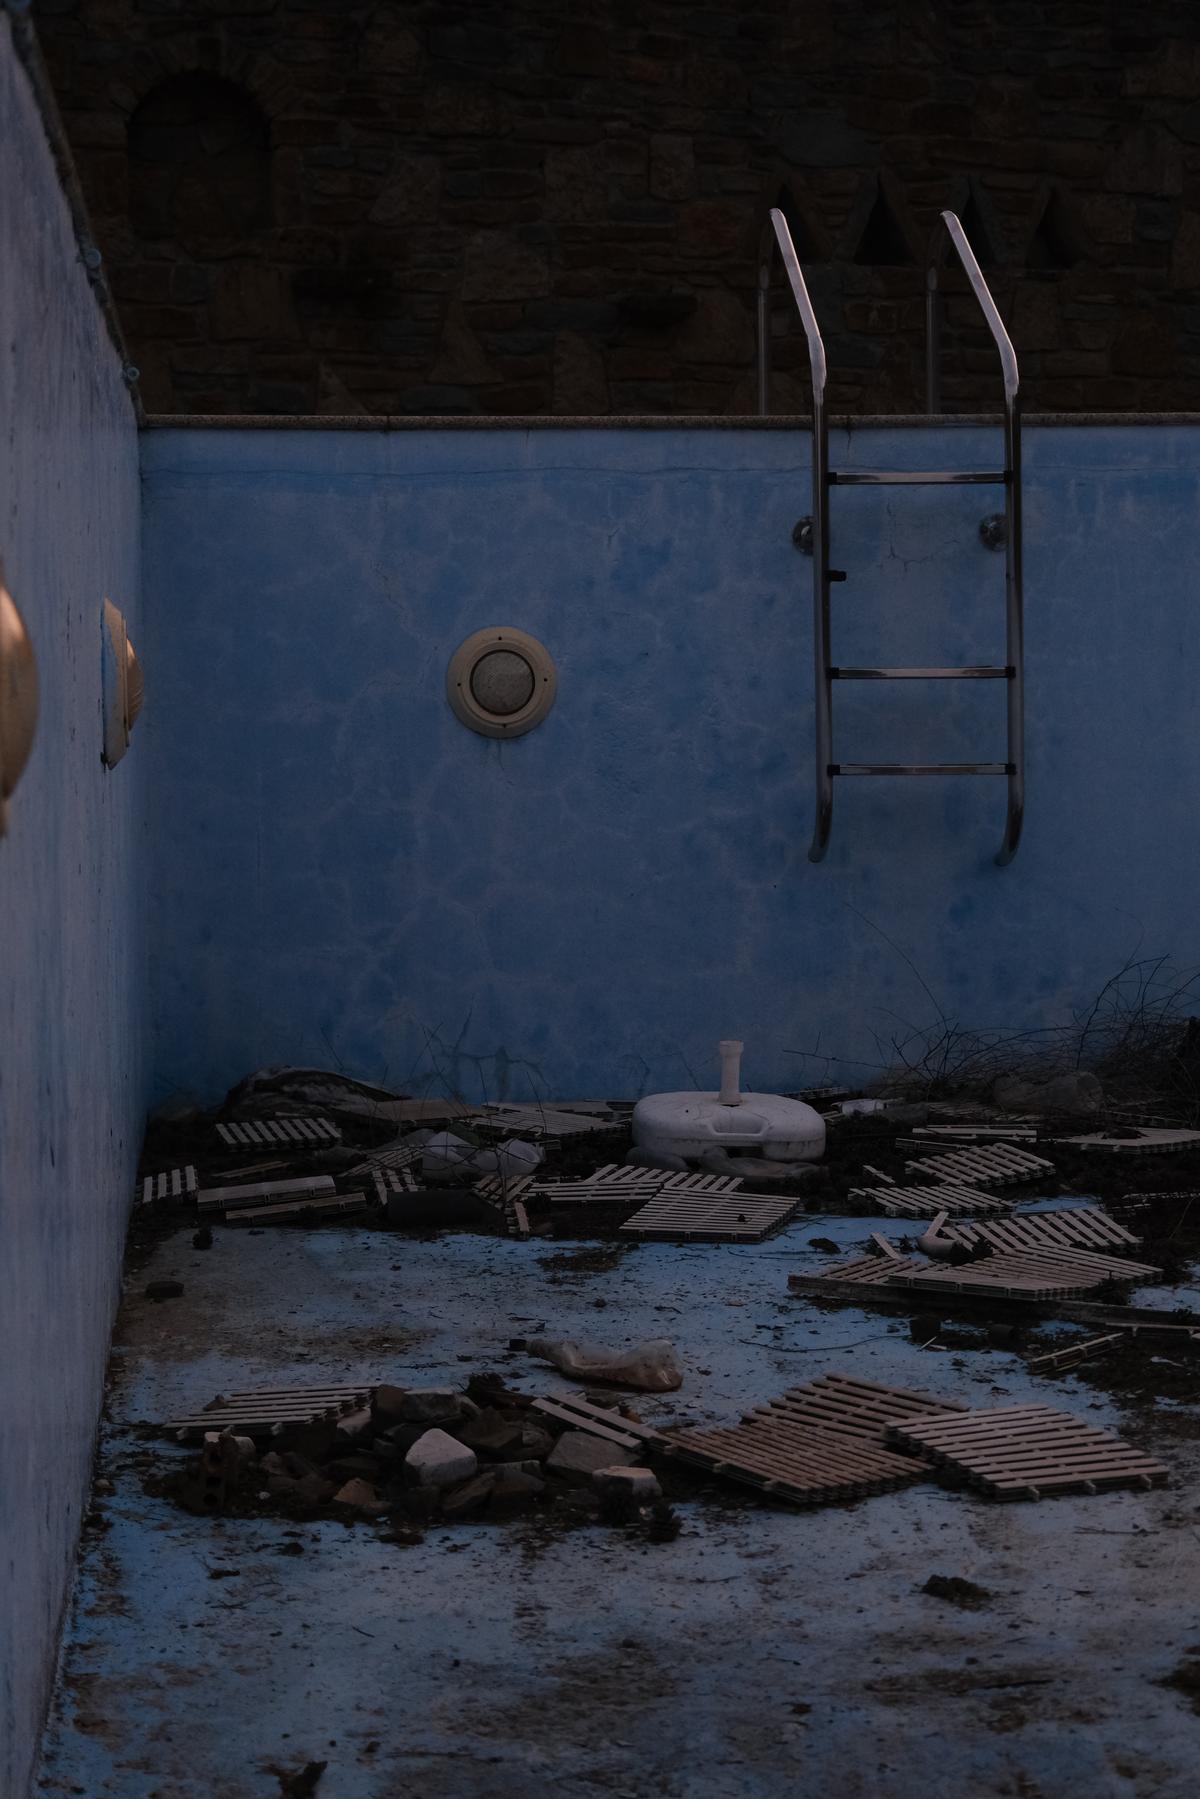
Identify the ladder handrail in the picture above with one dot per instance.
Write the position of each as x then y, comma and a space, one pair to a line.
950, 226
776, 233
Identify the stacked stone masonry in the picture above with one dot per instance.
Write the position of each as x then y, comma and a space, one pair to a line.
536, 208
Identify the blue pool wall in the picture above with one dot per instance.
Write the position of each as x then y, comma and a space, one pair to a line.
73, 1041
346, 876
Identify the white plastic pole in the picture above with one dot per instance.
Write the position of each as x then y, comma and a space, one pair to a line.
731, 1062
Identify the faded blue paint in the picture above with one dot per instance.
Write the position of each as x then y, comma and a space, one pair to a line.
72, 994
345, 874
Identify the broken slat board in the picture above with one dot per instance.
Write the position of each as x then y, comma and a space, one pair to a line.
976, 1133
261, 1410
1027, 1452
816, 1445
317, 1209
397, 1156
599, 1421
231, 1199
545, 1122
1075, 1353
684, 1216
927, 1202
388, 1181
1140, 1143
984, 1165
265, 1133
173, 1187
1073, 1228
507, 1196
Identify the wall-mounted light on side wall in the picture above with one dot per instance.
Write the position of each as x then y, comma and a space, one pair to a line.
123, 685
18, 698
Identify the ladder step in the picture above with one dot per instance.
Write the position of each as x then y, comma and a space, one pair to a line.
922, 674
922, 768
894, 477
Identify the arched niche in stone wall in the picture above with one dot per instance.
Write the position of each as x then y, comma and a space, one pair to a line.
199, 161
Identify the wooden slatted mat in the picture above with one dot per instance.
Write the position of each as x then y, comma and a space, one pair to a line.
976, 1133
1027, 1452
687, 1216
870, 1271
927, 1202
317, 1209
257, 1412
1075, 1227
818, 1444
173, 1187
258, 1193
1031, 1273
259, 1133
983, 1165
1135, 1142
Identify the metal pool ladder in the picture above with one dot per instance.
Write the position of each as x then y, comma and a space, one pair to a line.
777, 234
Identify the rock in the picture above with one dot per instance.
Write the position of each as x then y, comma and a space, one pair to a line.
1078, 1092
355, 1424
924, 1327
471, 1497
360, 1496
536, 1443
635, 1486
515, 1488
203, 1238
415, 1405
525, 1468
164, 1289
492, 1436
577, 1455
438, 1460
419, 1504
957, 1591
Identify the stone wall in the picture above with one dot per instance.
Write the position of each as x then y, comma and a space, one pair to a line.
529, 207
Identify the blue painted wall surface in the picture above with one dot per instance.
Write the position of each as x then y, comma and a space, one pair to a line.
72, 996
347, 876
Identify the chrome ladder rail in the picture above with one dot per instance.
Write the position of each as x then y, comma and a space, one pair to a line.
777, 234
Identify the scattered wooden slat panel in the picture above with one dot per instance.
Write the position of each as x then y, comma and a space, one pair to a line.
852, 1406
1026, 1452
1033, 1274
258, 1133
817, 1444
1146, 1142
316, 1210
229, 1199
926, 1202
173, 1187
1066, 1263
1075, 1227
1075, 1352
985, 1165
870, 1270
978, 1133
687, 1217
256, 1413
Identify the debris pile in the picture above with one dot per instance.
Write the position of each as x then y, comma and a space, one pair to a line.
406, 1456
